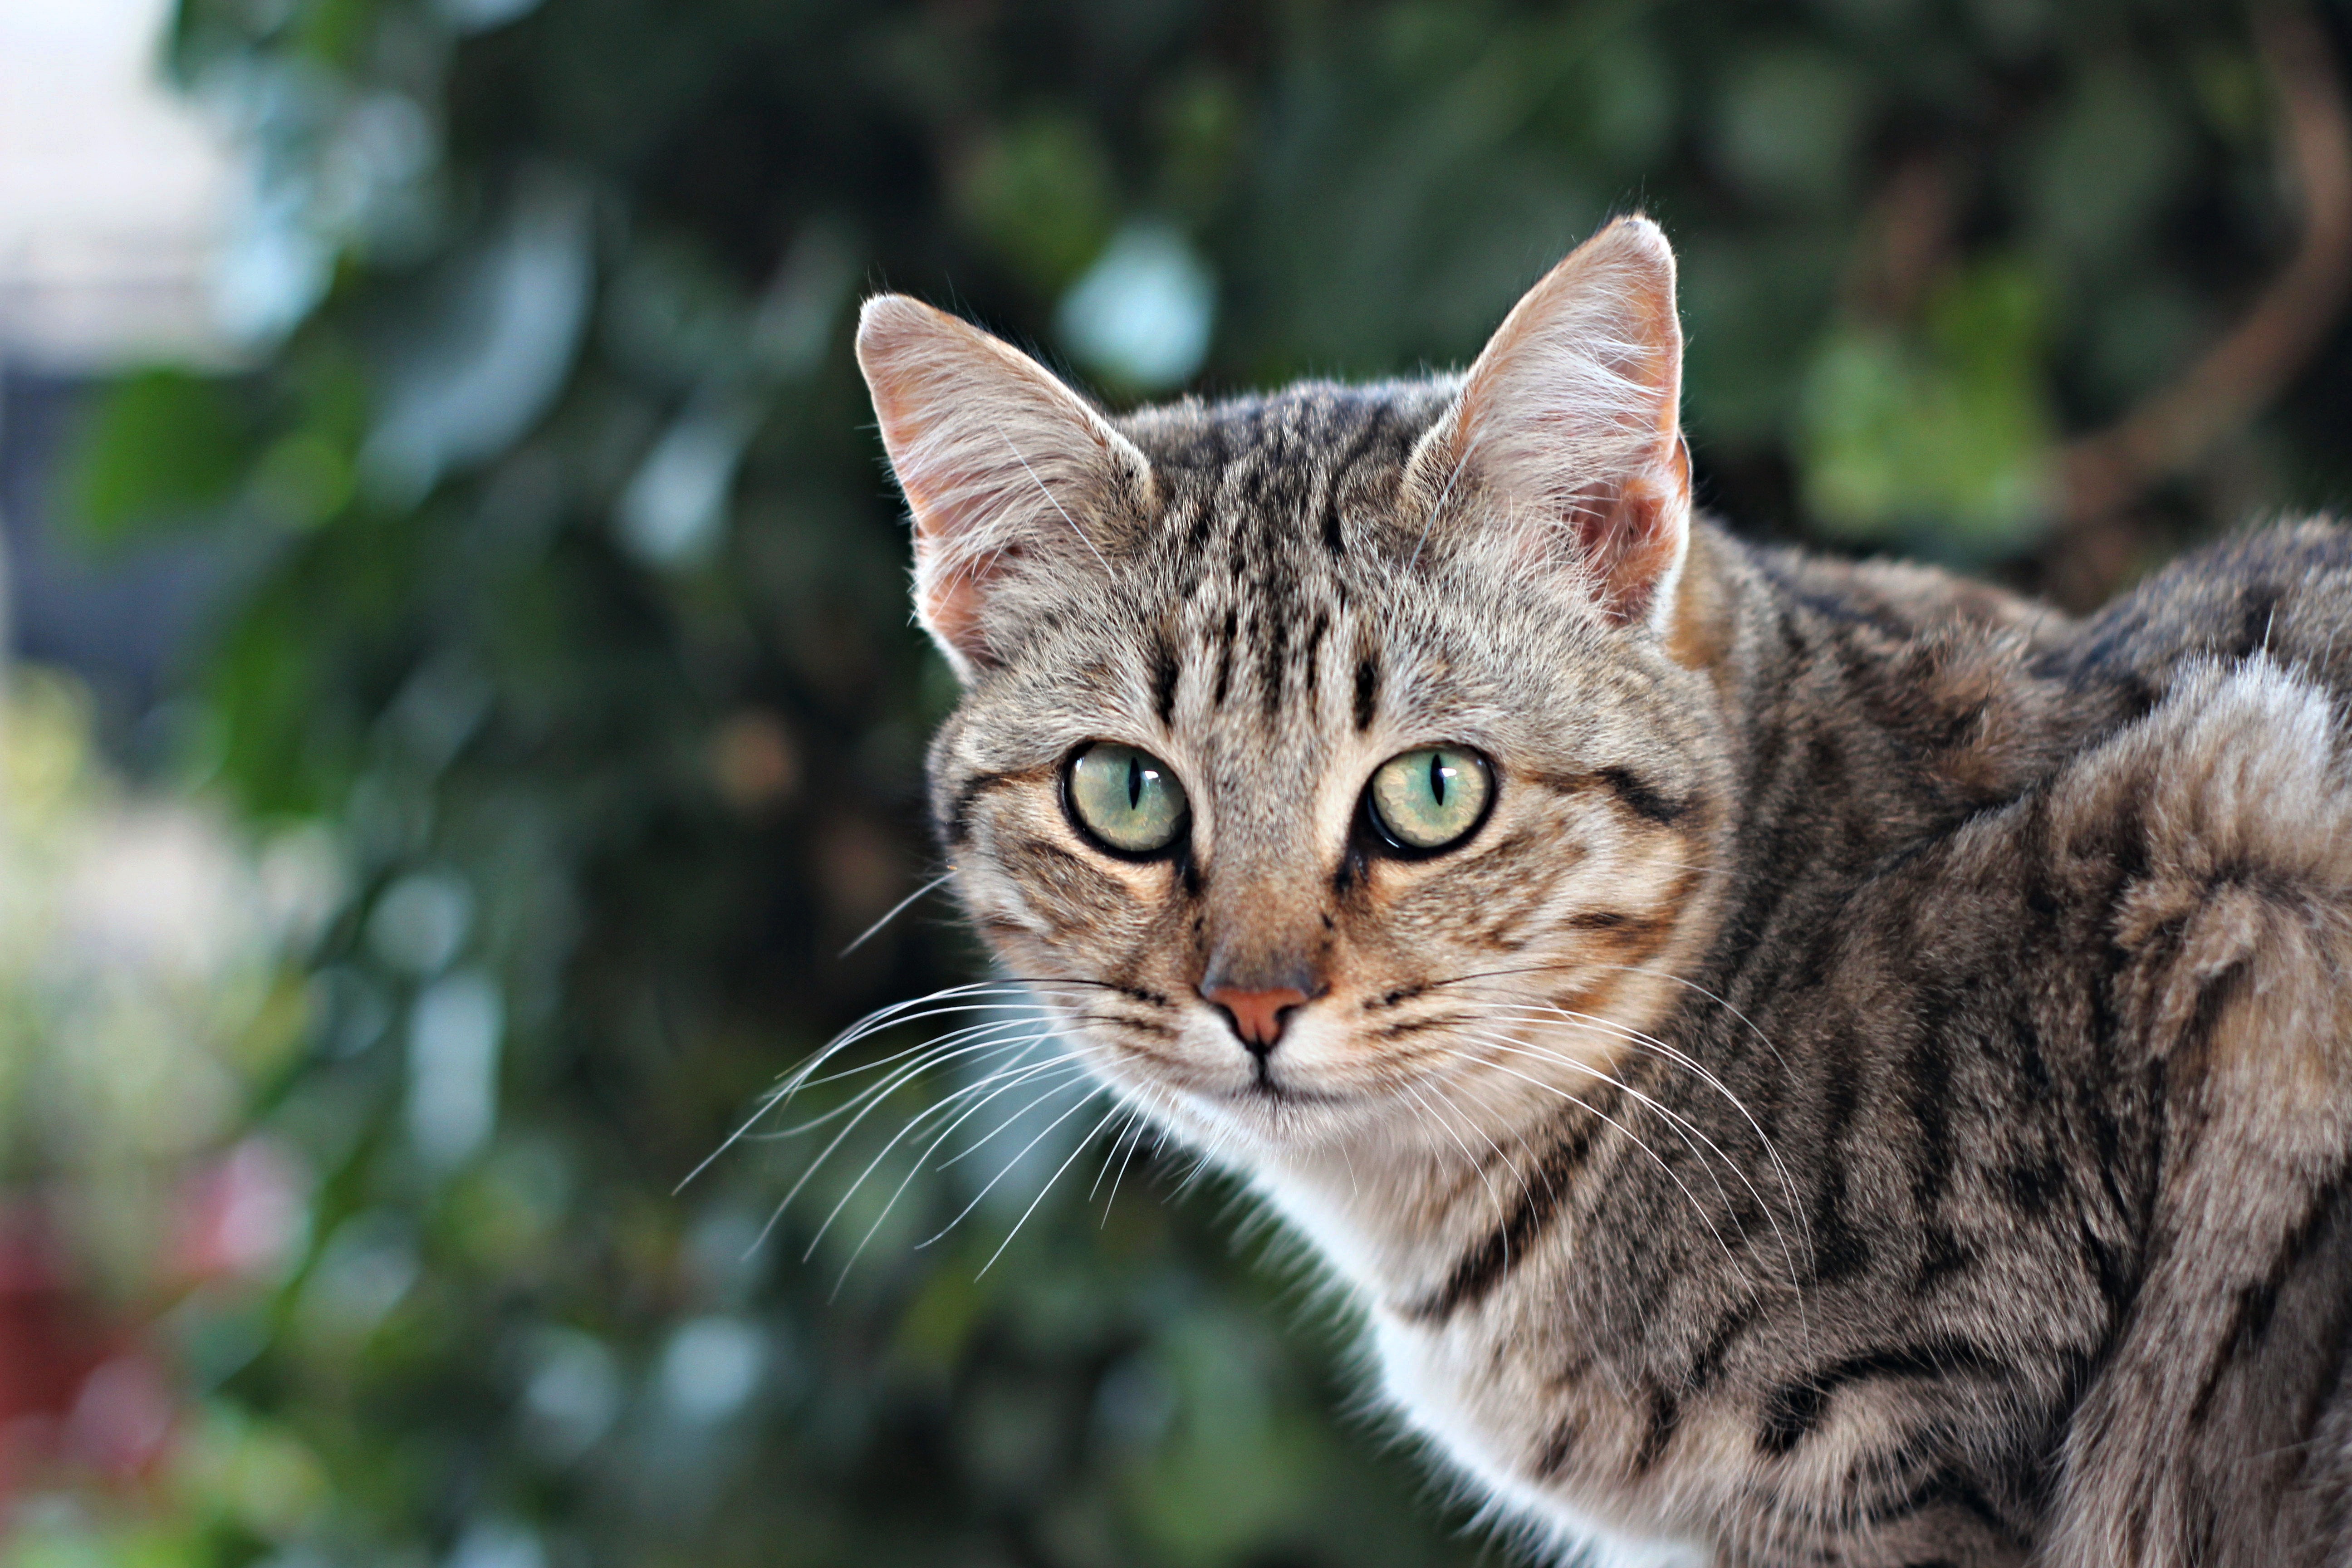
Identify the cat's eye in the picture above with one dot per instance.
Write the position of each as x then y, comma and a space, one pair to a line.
1129, 800
1431, 798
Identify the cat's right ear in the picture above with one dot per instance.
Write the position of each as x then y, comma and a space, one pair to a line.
1004, 468
1567, 428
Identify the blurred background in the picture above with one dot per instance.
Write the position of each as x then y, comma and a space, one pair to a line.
461, 703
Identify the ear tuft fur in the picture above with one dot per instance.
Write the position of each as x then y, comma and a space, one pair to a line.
1567, 429
1000, 464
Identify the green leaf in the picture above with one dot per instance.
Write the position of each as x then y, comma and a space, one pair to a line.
161, 446
1040, 193
1939, 437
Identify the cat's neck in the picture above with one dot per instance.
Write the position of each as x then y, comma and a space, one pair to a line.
1388, 1217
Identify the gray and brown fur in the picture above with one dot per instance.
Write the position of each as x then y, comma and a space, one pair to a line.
1879, 1091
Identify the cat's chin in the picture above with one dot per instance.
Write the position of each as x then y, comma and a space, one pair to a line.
1268, 1123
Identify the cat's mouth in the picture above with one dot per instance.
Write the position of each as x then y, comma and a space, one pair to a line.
1280, 1079
1265, 1088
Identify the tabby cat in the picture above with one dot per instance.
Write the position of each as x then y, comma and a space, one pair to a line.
1799, 1062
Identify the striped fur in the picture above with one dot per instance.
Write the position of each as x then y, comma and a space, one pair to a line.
1875, 1092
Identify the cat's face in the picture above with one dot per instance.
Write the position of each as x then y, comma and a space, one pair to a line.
1331, 777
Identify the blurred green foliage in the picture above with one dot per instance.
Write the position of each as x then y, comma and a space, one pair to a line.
585, 628
166, 443
1947, 425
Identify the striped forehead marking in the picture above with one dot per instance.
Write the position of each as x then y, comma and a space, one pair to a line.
1262, 494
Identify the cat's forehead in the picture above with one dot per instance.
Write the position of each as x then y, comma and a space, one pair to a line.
1268, 565
1291, 482
1310, 424
1273, 605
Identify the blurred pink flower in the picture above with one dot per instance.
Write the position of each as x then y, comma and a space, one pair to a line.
240, 1214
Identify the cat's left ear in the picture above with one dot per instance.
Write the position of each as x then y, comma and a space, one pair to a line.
1567, 436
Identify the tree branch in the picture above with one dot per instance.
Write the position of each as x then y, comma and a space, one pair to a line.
2171, 429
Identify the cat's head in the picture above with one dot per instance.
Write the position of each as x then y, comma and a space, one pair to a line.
1334, 761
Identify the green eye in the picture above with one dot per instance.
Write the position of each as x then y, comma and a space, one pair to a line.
1431, 798
1126, 798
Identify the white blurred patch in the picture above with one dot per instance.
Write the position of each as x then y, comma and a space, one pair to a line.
325, 168
711, 1367
481, 16
574, 1394
421, 920
672, 511
498, 1543
150, 893
142, 975
454, 1033
495, 348
273, 267
113, 191
1143, 312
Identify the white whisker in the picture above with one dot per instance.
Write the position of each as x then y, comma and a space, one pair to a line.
1007, 1079
1669, 1053
1129, 1135
941, 881
1083, 1144
1476, 1169
1677, 1123
873, 1023
1007, 1169
914, 1166
874, 1102
1697, 1207
958, 1042
969, 1149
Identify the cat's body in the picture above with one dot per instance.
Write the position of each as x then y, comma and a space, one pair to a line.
2011, 891
1874, 1084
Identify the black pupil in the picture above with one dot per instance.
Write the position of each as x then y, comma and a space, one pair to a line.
1134, 781
1437, 777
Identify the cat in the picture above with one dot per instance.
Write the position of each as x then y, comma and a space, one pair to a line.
1797, 1061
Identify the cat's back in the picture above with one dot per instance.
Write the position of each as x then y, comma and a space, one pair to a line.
2205, 710
2208, 837
2090, 999
2281, 593
1946, 697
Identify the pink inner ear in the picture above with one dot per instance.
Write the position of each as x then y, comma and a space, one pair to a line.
1628, 535
1570, 419
1632, 545
1000, 462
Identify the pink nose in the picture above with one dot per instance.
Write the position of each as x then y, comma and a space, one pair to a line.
1258, 1016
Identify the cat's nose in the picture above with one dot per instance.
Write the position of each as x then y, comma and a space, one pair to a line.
1257, 1016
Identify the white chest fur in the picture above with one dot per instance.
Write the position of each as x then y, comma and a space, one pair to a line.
1472, 1400
1450, 1386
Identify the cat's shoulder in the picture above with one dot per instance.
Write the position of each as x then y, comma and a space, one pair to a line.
2195, 604
2215, 771
2220, 687
2309, 550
